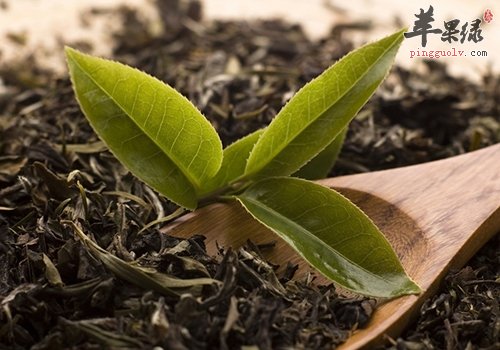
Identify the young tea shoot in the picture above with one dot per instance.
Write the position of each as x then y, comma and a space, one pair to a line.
164, 140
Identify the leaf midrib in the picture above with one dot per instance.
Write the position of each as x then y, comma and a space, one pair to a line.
341, 96
307, 233
175, 161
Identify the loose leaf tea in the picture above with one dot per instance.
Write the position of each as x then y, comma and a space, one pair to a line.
145, 277
416, 116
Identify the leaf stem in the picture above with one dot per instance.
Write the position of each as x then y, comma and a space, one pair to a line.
178, 212
224, 193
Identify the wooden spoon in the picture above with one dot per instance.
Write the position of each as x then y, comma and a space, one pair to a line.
436, 216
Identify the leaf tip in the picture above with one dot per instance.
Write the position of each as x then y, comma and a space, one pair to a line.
412, 287
71, 55
70, 52
407, 287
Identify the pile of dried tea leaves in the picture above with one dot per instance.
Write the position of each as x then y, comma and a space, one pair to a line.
465, 313
56, 292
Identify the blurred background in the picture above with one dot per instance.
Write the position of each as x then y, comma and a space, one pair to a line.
44, 26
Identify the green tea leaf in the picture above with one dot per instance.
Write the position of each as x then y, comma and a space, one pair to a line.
152, 129
321, 109
320, 166
233, 162
329, 232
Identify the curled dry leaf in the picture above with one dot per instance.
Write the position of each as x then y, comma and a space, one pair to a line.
144, 277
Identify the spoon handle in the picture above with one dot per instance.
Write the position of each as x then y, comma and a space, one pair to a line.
455, 204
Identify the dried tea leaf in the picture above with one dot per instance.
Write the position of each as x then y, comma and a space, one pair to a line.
57, 185
10, 166
178, 212
188, 264
111, 340
143, 277
2, 208
159, 319
129, 196
84, 148
51, 272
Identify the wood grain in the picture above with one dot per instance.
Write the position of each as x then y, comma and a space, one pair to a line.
436, 216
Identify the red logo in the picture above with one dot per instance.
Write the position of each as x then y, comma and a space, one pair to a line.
488, 16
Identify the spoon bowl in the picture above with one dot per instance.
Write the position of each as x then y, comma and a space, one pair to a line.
435, 215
